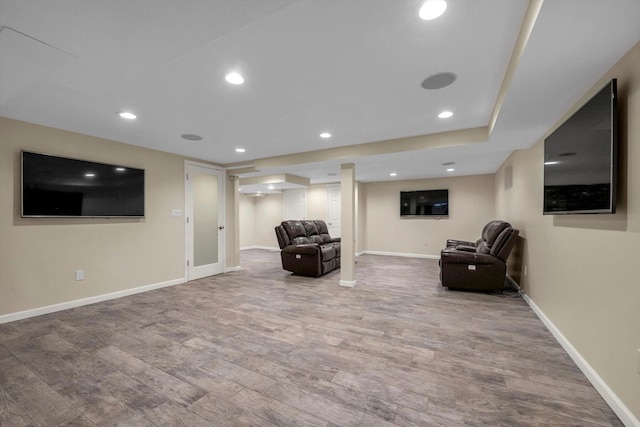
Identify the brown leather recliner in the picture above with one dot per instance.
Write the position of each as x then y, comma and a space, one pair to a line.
480, 265
307, 248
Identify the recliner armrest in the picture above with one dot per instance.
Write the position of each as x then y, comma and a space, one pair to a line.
463, 257
307, 248
466, 248
453, 243
335, 240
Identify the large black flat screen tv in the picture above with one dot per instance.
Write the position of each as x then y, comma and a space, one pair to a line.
54, 186
424, 203
580, 159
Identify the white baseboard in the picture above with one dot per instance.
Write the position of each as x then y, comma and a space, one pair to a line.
230, 269
348, 283
12, 317
621, 410
266, 248
400, 254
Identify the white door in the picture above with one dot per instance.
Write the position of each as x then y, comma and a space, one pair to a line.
205, 216
294, 204
333, 210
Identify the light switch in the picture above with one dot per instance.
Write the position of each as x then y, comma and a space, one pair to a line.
176, 213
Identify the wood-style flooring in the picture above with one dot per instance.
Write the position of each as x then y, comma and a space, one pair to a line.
260, 347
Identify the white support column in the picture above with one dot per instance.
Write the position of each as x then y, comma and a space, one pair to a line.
348, 220
233, 223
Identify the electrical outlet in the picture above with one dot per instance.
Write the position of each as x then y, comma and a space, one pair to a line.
525, 270
176, 213
79, 274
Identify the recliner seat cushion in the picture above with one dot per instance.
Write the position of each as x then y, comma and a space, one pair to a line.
301, 241
327, 252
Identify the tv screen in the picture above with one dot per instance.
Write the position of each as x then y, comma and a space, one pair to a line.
54, 186
580, 159
424, 203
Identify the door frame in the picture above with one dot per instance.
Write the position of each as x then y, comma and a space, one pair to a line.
222, 215
284, 202
328, 190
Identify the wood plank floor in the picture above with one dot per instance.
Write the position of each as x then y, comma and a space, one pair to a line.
260, 347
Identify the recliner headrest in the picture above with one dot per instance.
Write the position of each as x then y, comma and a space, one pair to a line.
504, 243
492, 230
294, 228
322, 227
310, 227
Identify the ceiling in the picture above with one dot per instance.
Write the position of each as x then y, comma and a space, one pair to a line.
353, 68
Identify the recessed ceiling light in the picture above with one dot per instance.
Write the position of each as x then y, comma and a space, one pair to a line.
271, 187
89, 175
431, 9
127, 115
393, 174
259, 192
239, 189
445, 114
551, 163
450, 170
234, 78
191, 137
325, 135
240, 150
120, 169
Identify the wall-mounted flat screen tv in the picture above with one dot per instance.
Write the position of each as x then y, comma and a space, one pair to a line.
424, 203
54, 186
580, 159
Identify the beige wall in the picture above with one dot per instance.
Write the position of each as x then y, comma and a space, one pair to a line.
582, 269
38, 257
269, 212
317, 201
471, 206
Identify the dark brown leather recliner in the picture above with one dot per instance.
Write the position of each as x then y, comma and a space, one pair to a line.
480, 265
307, 248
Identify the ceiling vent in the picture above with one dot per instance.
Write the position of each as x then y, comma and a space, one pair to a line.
439, 81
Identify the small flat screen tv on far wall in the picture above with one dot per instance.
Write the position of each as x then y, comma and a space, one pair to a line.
580, 159
54, 186
424, 203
